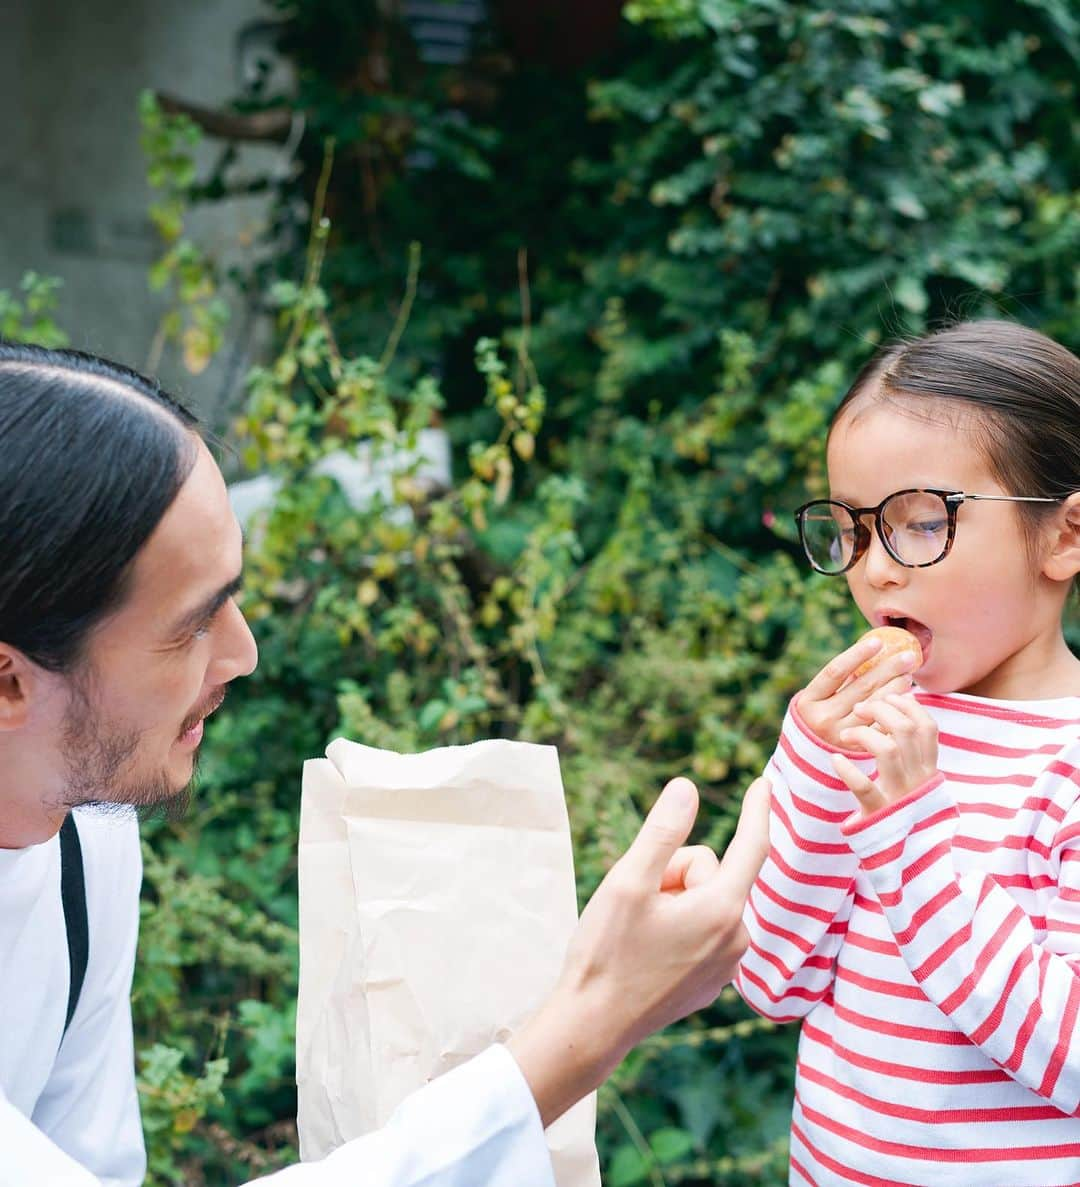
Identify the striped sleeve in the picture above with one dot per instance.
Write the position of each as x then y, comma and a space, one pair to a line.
1012, 990
797, 912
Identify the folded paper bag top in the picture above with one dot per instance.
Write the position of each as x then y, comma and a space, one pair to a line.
436, 903
495, 783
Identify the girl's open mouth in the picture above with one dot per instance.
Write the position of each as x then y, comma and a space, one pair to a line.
919, 629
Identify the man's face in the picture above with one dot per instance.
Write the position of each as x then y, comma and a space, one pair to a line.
132, 723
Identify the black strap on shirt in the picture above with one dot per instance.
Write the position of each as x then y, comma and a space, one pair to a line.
73, 896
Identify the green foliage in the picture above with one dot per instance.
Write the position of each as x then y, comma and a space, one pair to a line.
200, 313
431, 617
31, 317
172, 1103
644, 286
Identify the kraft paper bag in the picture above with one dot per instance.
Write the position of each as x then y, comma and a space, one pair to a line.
437, 900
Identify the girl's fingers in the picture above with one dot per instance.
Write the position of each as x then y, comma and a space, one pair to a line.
840, 668
911, 709
872, 741
901, 763
898, 686
894, 778
894, 672
902, 737
865, 789
826, 702
859, 783
889, 716
923, 726
902, 717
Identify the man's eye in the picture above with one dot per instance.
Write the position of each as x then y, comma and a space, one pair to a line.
199, 633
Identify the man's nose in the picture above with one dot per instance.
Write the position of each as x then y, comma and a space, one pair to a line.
238, 653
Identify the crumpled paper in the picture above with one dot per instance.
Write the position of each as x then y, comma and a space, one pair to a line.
436, 903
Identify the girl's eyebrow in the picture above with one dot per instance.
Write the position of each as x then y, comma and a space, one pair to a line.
204, 612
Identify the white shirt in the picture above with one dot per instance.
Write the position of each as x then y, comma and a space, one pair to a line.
79, 1094
477, 1126
69, 1113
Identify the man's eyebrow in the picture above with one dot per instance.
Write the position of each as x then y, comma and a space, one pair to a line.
202, 614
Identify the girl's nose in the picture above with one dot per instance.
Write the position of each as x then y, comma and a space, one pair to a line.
882, 570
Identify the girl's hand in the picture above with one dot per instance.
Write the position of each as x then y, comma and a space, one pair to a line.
827, 704
903, 737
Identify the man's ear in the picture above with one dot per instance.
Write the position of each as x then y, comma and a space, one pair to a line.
16, 681
1062, 561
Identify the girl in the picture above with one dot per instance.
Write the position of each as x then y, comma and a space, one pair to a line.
920, 906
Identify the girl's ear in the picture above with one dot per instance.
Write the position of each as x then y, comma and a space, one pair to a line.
1062, 562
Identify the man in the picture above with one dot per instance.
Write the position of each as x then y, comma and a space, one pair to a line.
119, 635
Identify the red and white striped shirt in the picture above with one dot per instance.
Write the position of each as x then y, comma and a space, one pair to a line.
933, 950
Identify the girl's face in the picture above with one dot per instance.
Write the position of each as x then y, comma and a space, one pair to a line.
988, 619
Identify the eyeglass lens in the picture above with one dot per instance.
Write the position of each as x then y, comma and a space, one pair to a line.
915, 523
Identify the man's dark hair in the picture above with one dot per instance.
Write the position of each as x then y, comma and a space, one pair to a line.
92, 454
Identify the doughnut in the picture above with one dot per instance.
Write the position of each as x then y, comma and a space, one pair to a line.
893, 639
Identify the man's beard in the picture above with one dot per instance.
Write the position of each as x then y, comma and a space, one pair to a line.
99, 758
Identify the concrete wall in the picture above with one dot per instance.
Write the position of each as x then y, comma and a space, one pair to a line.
72, 191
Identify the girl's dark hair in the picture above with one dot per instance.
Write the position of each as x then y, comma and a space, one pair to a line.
92, 454
1022, 387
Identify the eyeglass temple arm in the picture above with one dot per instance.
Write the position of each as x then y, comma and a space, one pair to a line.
1006, 498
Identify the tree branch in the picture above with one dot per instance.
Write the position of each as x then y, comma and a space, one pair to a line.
273, 123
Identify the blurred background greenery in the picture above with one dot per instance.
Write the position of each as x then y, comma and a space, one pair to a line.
627, 255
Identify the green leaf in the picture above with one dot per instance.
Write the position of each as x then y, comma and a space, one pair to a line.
671, 1144
626, 1167
907, 203
910, 293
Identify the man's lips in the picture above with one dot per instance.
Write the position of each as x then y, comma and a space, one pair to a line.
201, 715
193, 736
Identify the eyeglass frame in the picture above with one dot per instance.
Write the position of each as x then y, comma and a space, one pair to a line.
951, 498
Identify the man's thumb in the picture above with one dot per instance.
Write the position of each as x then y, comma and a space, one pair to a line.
665, 829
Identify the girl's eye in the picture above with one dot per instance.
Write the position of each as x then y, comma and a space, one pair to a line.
927, 527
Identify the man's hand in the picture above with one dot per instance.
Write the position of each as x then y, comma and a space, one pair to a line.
827, 704
659, 939
902, 737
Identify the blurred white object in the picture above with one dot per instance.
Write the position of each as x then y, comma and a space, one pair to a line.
363, 475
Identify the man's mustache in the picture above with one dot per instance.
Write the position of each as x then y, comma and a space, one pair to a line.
211, 706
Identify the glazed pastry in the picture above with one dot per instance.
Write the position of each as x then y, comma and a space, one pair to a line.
893, 639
